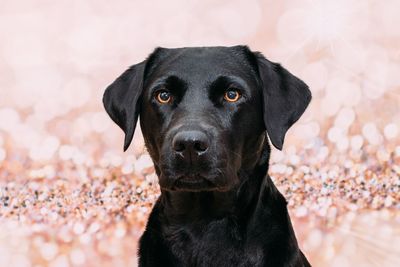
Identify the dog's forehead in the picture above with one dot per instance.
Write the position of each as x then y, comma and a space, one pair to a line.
202, 62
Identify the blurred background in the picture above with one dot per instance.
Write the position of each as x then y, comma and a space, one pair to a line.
69, 196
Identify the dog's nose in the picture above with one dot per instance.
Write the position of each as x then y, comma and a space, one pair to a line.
190, 144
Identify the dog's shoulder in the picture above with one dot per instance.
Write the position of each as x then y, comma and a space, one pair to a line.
152, 248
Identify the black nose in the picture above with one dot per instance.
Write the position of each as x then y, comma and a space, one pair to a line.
190, 144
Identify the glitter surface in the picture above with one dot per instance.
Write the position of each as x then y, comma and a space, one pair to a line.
69, 196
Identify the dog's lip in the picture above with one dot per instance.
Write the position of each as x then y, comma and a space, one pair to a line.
193, 182
191, 179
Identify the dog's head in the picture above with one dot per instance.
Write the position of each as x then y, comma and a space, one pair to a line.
204, 112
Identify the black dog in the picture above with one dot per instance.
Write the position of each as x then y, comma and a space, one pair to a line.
204, 115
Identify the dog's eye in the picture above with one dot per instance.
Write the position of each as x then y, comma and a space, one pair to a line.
232, 95
163, 97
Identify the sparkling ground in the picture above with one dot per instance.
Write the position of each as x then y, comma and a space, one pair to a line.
344, 207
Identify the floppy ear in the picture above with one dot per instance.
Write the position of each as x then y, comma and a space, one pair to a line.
285, 98
122, 100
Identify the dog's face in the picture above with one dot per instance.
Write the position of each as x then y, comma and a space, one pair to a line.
204, 112
201, 117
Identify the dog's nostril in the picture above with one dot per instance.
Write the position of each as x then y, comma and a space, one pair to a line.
200, 146
179, 146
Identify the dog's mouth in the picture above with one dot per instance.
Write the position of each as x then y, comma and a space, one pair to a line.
193, 183
190, 182
196, 178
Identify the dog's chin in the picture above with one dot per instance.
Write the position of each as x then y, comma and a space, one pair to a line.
190, 183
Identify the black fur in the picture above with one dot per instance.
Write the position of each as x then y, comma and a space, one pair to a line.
218, 206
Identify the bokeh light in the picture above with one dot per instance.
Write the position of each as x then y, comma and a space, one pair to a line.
69, 196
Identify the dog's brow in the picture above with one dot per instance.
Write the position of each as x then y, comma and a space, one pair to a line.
169, 80
224, 81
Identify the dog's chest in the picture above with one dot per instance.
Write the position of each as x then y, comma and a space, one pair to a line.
216, 244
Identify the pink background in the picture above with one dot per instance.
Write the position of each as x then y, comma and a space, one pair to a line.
57, 57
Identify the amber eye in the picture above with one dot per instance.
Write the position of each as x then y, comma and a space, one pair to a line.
232, 95
163, 97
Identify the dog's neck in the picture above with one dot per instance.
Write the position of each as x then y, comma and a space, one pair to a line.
239, 202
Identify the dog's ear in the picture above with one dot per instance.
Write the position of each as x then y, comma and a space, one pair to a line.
285, 98
122, 100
